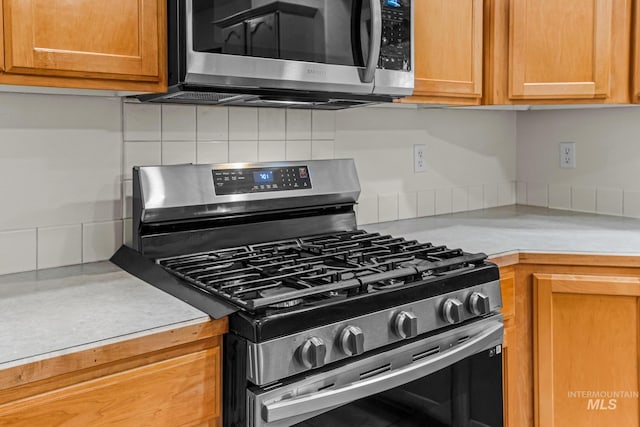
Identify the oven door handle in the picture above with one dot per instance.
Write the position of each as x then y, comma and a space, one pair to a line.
328, 399
369, 72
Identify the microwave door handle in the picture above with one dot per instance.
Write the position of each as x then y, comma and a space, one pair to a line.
369, 72
330, 398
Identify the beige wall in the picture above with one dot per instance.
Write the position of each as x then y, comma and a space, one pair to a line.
607, 177
65, 163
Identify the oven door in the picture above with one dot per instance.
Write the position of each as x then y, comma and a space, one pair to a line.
449, 379
311, 45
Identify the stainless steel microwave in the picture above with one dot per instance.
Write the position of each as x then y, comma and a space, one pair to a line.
298, 53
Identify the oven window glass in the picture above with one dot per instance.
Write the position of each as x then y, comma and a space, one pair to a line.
323, 31
467, 394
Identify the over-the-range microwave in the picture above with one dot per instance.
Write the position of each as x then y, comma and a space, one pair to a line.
328, 54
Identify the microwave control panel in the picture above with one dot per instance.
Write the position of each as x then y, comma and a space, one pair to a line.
395, 50
247, 181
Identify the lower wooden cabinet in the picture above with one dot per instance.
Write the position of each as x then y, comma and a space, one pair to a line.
168, 379
571, 352
586, 354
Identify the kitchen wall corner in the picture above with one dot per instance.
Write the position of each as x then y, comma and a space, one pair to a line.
606, 179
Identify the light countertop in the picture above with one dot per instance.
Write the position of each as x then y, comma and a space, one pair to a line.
507, 229
53, 312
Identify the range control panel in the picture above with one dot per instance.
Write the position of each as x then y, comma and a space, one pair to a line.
259, 180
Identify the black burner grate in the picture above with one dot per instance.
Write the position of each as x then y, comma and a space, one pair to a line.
310, 269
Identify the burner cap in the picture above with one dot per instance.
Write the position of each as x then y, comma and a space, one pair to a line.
281, 290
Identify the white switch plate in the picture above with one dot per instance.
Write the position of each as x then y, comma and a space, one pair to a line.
419, 158
568, 155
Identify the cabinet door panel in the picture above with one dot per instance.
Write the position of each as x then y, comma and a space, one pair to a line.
1, 39
586, 341
448, 48
181, 391
560, 49
88, 38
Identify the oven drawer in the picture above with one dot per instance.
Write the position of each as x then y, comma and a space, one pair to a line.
453, 378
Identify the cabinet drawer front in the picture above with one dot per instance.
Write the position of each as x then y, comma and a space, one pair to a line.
181, 391
87, 38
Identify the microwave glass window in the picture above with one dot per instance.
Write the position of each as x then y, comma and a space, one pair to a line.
329, 32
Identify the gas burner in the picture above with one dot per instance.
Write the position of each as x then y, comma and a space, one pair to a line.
313, 269
283, 290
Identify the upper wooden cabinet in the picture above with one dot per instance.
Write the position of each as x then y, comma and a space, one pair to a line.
1, 41
635, 75
448, 51
549, 51
116, 45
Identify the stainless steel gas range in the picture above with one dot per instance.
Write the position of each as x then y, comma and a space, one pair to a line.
329, 325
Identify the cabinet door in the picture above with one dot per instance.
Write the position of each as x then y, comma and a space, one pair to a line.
116, 39
1, 39
586, 350
181, 391
448, 48
561, 49
635, 91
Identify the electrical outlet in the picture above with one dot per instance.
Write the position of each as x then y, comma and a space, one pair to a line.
568, 155
419, 160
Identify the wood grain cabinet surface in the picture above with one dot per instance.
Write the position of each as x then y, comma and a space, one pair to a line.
167, 379
572, 326
549, 51
116, 44
586, 337
448, 52
635, 72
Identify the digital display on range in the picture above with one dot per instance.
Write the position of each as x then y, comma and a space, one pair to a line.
263, 177
258, 180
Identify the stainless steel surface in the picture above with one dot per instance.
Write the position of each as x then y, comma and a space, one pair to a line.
221, 70
479, 303
276, 359
405, 325
452, 311
201, 240
184, 192
312, 353
368, 74
390, 82
292, 403
351, 341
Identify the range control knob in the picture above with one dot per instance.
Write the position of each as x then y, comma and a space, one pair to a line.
405, 324
452, 311
351, 341
479, 303
312, 352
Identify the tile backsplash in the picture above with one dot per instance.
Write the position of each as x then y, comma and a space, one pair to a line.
65, 163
